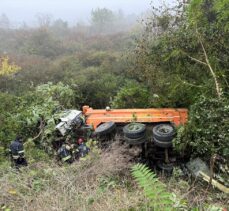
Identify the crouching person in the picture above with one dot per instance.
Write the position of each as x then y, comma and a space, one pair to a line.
65, 154
17, 153
82, 148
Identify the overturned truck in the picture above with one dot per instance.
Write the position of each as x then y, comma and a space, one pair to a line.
134, 122
152, 129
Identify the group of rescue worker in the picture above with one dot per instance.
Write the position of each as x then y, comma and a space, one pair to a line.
66, 153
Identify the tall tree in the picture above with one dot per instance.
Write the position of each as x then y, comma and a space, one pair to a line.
4, 22
102, 20
44, 20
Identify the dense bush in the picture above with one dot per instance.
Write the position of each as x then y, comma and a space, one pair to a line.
33, 114
132, 95
181, 55
206, 134
8, 112
187, 57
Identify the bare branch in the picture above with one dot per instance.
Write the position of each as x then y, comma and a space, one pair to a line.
218, 89
197, 60
41, 127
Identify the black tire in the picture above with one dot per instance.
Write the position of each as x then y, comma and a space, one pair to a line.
135, 141
165, 167
164, 132
105, 128
134, 130
162, 144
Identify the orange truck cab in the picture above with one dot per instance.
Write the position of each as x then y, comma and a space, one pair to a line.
95, 117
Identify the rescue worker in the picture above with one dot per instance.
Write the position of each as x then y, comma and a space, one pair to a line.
17, 153
83, 149
65, 153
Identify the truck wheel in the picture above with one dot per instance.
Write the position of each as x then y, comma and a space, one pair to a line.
134, 130
105, 128
164, 132
135, 141
165, 167
162, 144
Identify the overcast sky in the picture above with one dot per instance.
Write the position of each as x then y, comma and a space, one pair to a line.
69, 10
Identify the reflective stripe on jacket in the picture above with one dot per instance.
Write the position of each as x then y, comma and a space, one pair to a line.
64, 152
66, 158
15, 156
16, 149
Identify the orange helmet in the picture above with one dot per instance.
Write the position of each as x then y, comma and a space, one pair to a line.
80, 141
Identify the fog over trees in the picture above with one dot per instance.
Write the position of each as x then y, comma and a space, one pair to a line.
57, 55
20, 11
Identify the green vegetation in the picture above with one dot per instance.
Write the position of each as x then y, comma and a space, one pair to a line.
177, 57
8, 69
183, 58
213, 138
132, 95
33, 114
153, 188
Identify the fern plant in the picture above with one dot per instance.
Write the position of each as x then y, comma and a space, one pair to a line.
154, 190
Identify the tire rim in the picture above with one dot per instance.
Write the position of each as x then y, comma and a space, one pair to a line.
165, 129
134, 127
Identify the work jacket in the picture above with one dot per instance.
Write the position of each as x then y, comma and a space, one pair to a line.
16, 149
64, 152
83, 149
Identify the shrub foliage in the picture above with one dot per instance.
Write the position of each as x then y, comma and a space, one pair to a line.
208, 128
154, 190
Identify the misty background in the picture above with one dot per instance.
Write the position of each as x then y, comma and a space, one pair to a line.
21, 12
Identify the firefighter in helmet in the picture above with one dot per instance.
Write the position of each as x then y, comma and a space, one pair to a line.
17, 153
65, 151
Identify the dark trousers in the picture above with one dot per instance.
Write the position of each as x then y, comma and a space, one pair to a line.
17, 163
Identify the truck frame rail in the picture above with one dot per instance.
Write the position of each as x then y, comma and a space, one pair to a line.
95, 117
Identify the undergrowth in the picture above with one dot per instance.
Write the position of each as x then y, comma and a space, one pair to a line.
100, 181
153, 189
